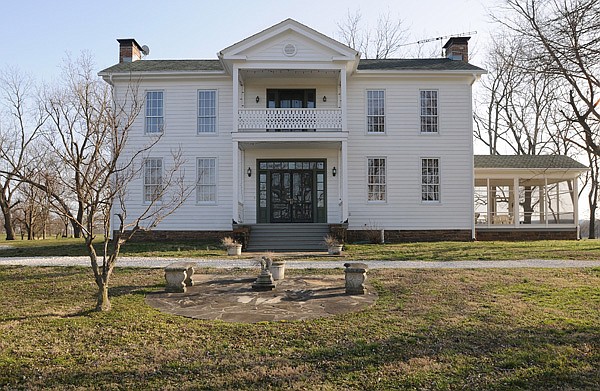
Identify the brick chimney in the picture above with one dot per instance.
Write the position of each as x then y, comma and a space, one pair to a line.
129, 50
457, 48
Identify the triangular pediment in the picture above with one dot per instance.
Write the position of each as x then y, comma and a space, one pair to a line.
288, 41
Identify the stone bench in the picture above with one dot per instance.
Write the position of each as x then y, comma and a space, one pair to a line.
179, 276
356, 275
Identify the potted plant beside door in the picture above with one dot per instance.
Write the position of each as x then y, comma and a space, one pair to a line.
334, 246
232, 246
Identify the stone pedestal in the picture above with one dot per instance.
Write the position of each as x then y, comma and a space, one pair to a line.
356, 275
179, 276
264, 282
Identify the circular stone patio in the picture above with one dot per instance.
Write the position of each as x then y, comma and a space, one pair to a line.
232, 299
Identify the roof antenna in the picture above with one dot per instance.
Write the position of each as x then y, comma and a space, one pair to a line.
145, 50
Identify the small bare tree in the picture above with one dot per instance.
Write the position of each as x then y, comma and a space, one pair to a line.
93, 164
383, 41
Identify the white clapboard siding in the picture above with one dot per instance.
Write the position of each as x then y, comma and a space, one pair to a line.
403, 145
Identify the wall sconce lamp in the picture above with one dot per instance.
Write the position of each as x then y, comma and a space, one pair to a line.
324, 98
334, 171
249, 172
257, 98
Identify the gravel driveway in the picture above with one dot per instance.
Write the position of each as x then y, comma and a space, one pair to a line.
246, 263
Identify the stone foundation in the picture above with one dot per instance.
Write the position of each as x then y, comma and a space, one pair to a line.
179, 236
400, 236
526, 235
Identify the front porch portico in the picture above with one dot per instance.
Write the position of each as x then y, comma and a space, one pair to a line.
288, 179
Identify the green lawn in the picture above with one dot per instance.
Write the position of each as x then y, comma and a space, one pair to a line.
437, 251
430, 329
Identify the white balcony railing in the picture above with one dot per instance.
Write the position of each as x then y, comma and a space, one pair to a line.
290, 119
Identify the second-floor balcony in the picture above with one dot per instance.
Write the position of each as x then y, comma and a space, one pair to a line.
290, 120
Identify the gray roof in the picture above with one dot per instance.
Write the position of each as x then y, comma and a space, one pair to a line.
421, 64
165, 66
527, 161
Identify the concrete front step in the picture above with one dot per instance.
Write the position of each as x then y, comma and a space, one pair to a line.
280, 237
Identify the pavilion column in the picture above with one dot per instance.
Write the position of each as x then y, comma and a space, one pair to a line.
515, 196
235, 181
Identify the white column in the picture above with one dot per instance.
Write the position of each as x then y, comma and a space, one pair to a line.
236, 97
575, 198
516, 217
235, 180
490, 199
546, 199
344, 178
344, 99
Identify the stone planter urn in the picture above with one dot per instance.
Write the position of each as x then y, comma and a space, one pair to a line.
277, 269
235, 249
335, 250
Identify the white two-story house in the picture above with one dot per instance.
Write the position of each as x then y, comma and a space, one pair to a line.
289, 134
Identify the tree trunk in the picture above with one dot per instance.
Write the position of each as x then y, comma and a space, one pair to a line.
592, 227
103, 303
8, 226
76, 229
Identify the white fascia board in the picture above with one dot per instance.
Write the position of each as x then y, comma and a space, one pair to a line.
162, 74
290, 136
414, 72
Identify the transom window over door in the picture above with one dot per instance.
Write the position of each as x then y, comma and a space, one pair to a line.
376, 179
430, 179
207, 111
429, 111
154, 112
375, 111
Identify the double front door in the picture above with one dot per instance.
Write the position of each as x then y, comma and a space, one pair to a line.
291, 196
291, 192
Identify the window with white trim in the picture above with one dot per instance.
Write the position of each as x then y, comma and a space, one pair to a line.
154, 112
429, 111
153, 179
207, 111
206, 184
375, 111
430, 179
376, 179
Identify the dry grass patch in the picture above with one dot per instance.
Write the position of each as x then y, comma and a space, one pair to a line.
431, 329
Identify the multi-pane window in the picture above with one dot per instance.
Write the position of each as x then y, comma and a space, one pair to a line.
153, 179
376, 187
154, 112
206, 185
207, 111
375, 111
429, 111
430, 179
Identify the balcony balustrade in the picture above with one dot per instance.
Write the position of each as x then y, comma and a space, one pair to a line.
290, 120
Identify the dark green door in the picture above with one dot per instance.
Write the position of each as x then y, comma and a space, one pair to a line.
291, 196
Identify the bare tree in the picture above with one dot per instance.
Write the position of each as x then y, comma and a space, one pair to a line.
17, 133
563, 37
93, 165
383, 41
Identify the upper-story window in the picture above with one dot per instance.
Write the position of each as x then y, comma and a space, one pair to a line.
430, 179
154, 112
429, 111
376, 179
153, 179
207, 111
375, 111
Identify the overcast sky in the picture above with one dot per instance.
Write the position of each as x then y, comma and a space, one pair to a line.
36, 35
